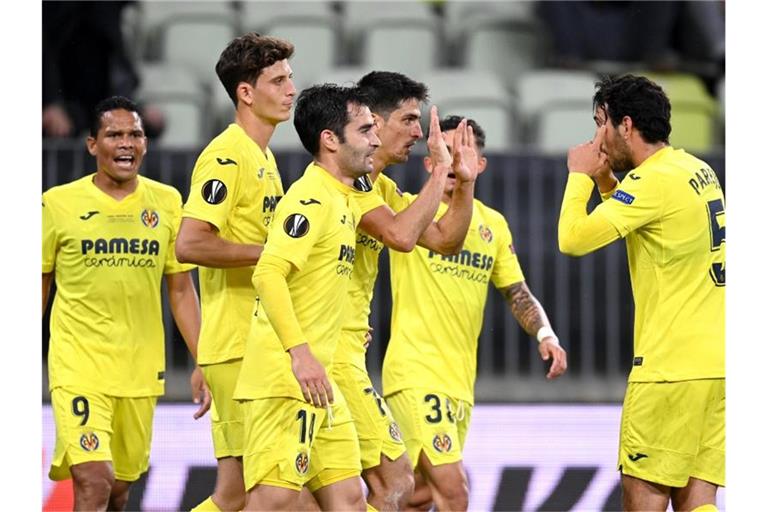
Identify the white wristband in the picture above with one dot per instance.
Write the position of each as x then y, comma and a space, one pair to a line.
546, 332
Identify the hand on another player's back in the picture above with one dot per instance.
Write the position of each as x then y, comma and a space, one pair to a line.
310, 374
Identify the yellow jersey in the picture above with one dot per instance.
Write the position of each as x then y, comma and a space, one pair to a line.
438, 304
236, 187
351, 347
671, 210
109, 258
314, 230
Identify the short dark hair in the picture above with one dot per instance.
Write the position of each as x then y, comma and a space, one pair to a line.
386, 90
245, 57
323, 107
109, 104
451, 122
640, 99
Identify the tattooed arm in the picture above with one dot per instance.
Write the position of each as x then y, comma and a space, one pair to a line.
531, 316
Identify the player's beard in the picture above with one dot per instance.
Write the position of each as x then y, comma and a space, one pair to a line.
620, 159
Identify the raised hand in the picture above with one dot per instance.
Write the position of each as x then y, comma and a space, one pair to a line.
464, 153
587, 158
438, 149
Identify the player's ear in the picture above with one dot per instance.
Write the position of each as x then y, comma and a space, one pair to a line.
482, 162
90, 144
428, 164
329, 140
244, 93
378, 121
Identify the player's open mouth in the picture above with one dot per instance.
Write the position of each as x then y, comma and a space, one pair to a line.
125, 160
451, 175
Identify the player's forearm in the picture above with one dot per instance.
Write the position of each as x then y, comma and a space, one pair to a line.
577, 232
525, 308
410, 223
210, 250
271, 285
185, 308
452, 227
47, 280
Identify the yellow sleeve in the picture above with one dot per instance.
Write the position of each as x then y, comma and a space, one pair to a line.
295, 228
637, 200
50, 241
367, 201
269, 279
214, 188
577, 232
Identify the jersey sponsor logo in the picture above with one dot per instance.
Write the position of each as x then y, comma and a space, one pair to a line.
302, 463
270, 203
296, 225
89, 441
347, 253
442, 443
346, 259
486, 235
225, 161
394, 432
636, 457
467, 258
114, 247
307, 202
150, 218
121, 246
633, 176
260, 172
88, 215
369, 242
363, 183
214, 192
623, 197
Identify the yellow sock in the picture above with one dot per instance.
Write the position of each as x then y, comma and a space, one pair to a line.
370, 508
705, 508
207, 506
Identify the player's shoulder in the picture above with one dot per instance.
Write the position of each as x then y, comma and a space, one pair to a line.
226, 149
161, 190
66, 191
488, 213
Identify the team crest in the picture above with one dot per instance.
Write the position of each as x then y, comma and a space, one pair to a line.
302, 463
150, 218
394, 432
485, 233
89, 441
442, 443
